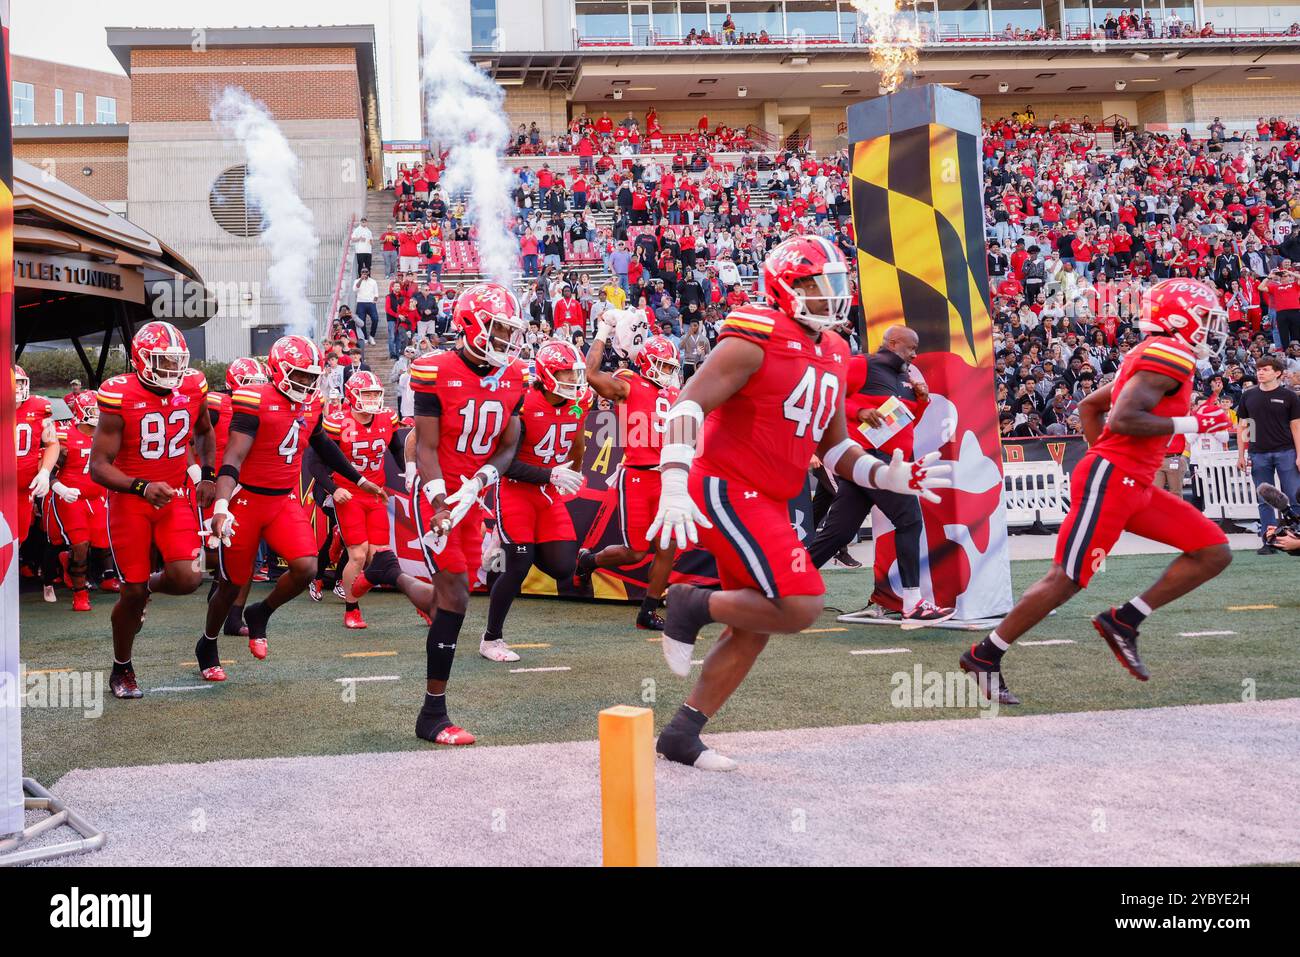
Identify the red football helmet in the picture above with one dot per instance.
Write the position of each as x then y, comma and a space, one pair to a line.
296, 368
487, 314
22, 385
245, 372
1186, 309
160, 355
557, 358
808, 257
365, 393
85, 407
657, 361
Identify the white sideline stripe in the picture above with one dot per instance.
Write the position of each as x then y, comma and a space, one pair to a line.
206, 687
882, 651
1204, 634
1048, 641
344, 681
529, 671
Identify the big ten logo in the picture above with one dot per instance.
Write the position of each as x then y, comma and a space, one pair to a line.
798, 821
199, 40
198, 821
1248, 690
1097, 561
649, 690
1099, 825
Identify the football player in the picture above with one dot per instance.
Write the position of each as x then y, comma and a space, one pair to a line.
775, 382
240, 374
467, 405
1128, 423
37, 449
75, 517
271, 424
532, 518
643, 398
363, 432
139, 455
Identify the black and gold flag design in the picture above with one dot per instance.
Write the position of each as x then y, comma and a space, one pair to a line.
919, 223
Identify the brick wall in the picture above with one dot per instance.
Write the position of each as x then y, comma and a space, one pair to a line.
1240, 102
296, 83
1044, 110
549, 109
65, 161
46, 77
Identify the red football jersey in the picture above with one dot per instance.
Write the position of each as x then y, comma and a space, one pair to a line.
157, 429
30, 418
473, 409
364, 445
764, 436
219, 411
1140, 456
283, 430
75, 471
641, 418
549, 430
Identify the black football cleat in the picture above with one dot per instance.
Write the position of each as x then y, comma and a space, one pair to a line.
1123, 641
583, 570
123, 685
650, 622
983, 671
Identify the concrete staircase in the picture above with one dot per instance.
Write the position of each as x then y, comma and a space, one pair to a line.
379, 211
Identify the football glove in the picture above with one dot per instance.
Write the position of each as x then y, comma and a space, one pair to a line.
40, 486
905, 478
566, 480
678, 515
64, 493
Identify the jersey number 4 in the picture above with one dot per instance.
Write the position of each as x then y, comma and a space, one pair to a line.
154, 443
812, 403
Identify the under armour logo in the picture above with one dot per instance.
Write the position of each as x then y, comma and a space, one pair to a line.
1129, 481
751, 495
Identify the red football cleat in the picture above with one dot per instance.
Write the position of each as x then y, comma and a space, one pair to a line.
257, 647
215, 673
453, 735
353, 619
81, 600
110, 584
360, 585
260, 574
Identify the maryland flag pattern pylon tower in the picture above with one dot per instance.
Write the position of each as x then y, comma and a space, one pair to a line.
918, 223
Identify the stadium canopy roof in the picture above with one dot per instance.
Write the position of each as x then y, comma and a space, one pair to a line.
80, 270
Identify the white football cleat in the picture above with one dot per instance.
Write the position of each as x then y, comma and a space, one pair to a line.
678, 655
48, 594
710, 760
496, 650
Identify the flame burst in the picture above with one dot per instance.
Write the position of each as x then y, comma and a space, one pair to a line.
894, 39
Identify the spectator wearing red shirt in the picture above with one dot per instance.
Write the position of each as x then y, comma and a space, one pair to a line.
1283, 290
604, 125
586, 150
568, 311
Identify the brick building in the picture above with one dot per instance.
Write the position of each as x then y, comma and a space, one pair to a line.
57, 93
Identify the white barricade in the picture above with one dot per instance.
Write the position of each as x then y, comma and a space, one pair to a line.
1035, 492
1228, 492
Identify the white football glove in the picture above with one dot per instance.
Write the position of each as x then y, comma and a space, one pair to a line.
913, 478
220, 507
566, 480
410, 477
465, 497
66, 494
678, 514
40, 486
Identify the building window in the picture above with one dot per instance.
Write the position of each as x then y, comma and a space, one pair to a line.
483, 24
24, 104
231, 206
58, 106
81, 108
105, 109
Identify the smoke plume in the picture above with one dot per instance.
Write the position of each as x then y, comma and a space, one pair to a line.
288, 232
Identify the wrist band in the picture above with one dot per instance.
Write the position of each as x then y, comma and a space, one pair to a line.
138, 486
677, 454
195, 474
1185, 425
230, 471
433, 488
487, 475
221, 507
209, 474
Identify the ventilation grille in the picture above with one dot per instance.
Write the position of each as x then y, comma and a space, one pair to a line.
230, 205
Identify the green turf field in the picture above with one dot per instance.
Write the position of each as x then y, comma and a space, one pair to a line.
292, 704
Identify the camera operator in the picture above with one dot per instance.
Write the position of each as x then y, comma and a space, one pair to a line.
1283, 290
1270, 419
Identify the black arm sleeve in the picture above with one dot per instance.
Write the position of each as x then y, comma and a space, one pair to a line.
427, 403
533, 474
245, 423
397, 445
214, 415
322, 476
331, 454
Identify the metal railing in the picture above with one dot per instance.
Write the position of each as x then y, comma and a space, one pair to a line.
343, 274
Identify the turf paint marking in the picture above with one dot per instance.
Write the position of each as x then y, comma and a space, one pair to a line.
370, 654
206, 687
1204, 634
49, 671
536, 644
882, 651
190, 664
529, 671
1048, 641
1250, 607
821, 631
344, 681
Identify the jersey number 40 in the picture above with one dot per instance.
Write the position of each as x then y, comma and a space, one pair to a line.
812, 403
